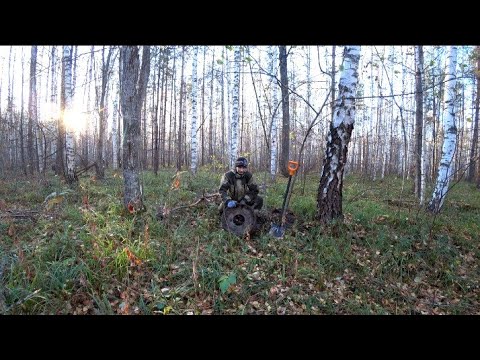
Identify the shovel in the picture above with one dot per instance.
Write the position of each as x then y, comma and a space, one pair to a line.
278, 230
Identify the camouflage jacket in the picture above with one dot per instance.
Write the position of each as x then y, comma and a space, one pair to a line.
234, 186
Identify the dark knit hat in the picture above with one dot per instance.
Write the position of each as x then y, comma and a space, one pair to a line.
241, 162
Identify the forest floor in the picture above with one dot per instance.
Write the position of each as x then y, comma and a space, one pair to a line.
77, 251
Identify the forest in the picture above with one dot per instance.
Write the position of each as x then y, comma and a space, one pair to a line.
111, 161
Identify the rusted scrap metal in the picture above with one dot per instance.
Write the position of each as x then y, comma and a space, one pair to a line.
240, 220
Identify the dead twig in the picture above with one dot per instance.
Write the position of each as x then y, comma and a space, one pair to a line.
164, 212
21, 301
31, 214
81, 171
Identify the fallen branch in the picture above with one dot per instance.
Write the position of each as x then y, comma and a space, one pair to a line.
81, 171
164, 212
21, 301
19, 214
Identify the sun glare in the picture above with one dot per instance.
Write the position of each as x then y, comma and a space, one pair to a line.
74, 121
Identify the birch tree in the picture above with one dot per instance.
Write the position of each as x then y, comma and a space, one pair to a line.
114, 131
210, 128
332, 85
194, 148
100, 168
274, 92
449, 137
22, 151
70, 175
418, 119
473, 148
133, 90
329, 196
285, 144
235, 108
180, 116
32, 109
202, 125
173, 105
60, 146
10, 109
163, 133
156, 102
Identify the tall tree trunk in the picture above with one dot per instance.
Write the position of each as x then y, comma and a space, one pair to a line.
332, 87
228, 124
285, 145
329, 196
450, 136
473, 148
120, 127
143, 132
173, 100
307, 162
164, 96
235, 108
22, 151
133, 90
202, 126
210, 127
423, 165
180, 117
418, 118
156, 91
184, 123
100, 168
10, 110
222, 101
194, 146
378, 128
32, 109
60, 158
274, 94
70, 175
74, 76
434, 115
370, 141
115, 130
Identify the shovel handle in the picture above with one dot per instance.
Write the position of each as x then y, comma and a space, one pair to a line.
292, 167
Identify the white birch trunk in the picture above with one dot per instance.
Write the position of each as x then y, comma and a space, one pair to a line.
423, 164
32, 110
309, 144
329, 196
115, 133
235, 108
229, 103
194, 148
274, 91
372, 100
450, 136
69, 140
404, 133
37, 131
388, 129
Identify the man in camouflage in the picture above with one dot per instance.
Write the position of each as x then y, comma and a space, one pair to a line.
238, 186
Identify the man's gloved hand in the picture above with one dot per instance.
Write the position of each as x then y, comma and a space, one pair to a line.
247, 199
231, 204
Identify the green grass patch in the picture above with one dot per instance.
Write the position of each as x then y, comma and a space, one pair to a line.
85, 255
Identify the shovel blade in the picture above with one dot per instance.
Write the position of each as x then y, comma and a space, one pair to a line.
277, 231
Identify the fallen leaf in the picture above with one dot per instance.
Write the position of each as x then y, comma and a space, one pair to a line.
11, 230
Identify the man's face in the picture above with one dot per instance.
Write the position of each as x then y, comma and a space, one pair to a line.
241, 169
